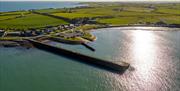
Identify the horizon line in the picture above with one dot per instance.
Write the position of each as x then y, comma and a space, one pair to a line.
98, 1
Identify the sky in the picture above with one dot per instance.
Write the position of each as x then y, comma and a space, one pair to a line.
90, 0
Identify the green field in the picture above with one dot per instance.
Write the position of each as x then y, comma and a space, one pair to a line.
135, 20
168, 11
122, 14
75, 15
11, 15
106, 13
14, 13
49, 10
119, 20
5, 17
30, 21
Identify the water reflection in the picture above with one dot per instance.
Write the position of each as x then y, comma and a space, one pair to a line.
144, 52
146, 61
148, 52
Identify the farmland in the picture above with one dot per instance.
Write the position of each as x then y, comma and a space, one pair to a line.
49, 10
75, 15
30, 21
121, 14
102, 13
11, 15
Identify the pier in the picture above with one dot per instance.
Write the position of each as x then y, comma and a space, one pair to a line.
81, 57
89, 47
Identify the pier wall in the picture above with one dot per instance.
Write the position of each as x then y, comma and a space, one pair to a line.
89, 47
83, 58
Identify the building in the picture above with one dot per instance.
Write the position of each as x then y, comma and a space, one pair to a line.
13, 34
2, 33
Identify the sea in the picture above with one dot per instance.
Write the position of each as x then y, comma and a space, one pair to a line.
153, 54
27, 5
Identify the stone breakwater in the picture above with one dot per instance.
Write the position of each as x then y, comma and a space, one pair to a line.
104, 64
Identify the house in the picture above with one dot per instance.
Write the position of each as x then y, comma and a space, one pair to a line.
66, 26
39, 32
13, 34
60, 27
72, 25
48, 30
26, 33
2, 32
77, 25
55, 28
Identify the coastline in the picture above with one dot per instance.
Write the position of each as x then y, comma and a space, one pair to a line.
145, 26
93, 38
139, 25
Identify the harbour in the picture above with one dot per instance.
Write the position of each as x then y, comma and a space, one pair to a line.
57, 72
89, 46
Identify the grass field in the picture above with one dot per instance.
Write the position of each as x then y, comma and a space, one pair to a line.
49, 10
119, 20
108, 13
14, 13
75, 15
171, 19
11, 15
168, 11
30, 21
135, 13
135, 20
128, 13
4, 17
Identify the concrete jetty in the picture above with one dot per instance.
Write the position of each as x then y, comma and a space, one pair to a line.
89, 47
81, 57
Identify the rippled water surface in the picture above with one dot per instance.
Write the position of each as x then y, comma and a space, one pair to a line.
154, 57
26, 5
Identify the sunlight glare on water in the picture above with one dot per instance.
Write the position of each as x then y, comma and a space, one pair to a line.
150, 58
144, 43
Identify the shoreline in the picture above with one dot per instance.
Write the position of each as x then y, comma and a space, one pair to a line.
28, 45
143, 26
164, 26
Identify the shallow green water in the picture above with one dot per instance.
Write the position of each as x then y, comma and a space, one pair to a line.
153, 55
